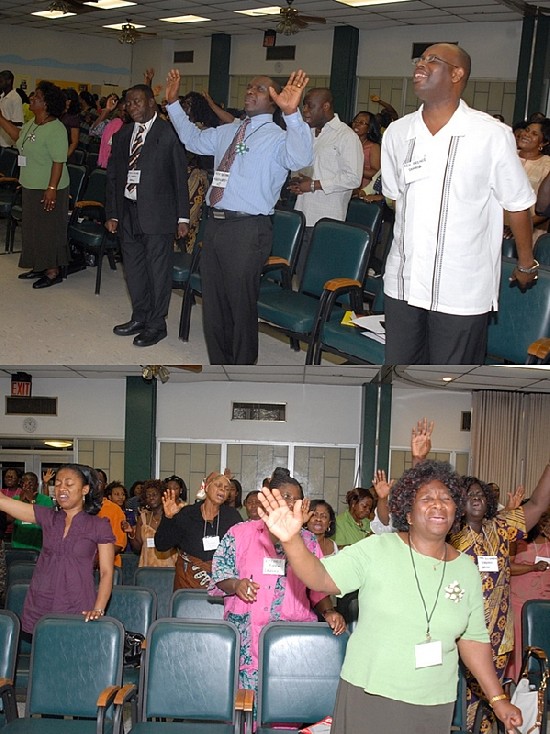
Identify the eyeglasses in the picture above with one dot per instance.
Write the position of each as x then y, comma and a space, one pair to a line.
289, 498
430, 59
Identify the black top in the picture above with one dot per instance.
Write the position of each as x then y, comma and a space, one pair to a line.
187, 529
4, 524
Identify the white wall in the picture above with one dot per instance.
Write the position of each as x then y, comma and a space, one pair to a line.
41, 54
442, 406
494, 48
86, 409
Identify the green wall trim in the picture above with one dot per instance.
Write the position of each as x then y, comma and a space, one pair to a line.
539, 72
374, 451
343, 72
220, 57
140, 429
524, 64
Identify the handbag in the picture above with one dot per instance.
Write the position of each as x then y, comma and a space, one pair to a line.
530, 693
192, 572
132, 649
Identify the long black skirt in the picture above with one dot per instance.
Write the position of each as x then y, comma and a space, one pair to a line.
44, 234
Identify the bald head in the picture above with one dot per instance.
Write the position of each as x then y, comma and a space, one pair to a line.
318, 107
455, 55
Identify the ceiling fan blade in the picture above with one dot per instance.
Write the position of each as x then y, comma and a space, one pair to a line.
188, 367
312, 19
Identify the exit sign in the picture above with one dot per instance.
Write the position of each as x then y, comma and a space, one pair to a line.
21, 385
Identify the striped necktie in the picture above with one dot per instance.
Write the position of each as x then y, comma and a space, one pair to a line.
216, 192
134, 154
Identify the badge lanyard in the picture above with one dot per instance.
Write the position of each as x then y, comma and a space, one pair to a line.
430, 615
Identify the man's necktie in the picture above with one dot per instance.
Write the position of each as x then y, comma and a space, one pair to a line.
216, 192
134, 154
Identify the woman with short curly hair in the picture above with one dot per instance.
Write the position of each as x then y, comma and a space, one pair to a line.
42, 145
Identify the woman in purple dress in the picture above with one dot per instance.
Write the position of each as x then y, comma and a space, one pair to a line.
63, 580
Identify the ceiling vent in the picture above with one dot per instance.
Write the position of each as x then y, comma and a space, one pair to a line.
259, 412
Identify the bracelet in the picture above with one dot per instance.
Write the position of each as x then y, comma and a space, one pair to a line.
533, 269
54, 189
500, 697
312, 187
101, 611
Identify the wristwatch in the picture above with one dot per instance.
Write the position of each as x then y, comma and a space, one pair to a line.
529, 271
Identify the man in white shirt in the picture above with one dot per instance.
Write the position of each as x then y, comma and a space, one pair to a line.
337, 167
452, 172
11, 106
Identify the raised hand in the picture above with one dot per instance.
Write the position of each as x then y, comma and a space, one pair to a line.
381, 486
421, 439
289, 98
170, 504
148, 75
283, 522
515, 498
172, 85
48, 475
307, 514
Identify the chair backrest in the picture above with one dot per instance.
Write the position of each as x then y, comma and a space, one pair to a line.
16, 594
535, 629
71, 663
9, 639
96, 186
195, 604
190, 670
129, 565
522, 318
299, 671
117, 576
8, 162
542, 250
337, 250
366, 214
20, 554
134, 606
161, 580
20, 571
78, 156
77, 174
288, 228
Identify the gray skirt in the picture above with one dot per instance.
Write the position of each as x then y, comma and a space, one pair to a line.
358, 712
44, 234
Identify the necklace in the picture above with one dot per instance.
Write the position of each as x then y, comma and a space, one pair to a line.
31, 135
430, 615
436, 563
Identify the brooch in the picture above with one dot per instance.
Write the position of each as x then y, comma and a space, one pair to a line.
241, 149
454, 592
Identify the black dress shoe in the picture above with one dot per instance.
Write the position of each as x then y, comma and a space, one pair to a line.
149, 337
31, 274
129, 328
45, 282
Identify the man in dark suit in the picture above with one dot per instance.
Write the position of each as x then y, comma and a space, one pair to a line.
148, 204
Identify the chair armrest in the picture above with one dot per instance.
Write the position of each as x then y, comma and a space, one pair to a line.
125, 694
274, 261
7, 694
341, 284
279, 263
540, 349
244, 706
86, 203
104, 701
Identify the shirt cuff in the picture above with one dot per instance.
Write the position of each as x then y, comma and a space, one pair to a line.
180, 220
294, 119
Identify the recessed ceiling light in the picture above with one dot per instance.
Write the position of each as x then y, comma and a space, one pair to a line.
364, 3
273, 10
52, 14
109, 4
447, 379
59, 444
185, 19
118, 26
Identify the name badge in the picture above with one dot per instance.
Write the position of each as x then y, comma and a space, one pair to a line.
416, 170
274, 566
150, 542
21, 160
133, 177
542, 558
220, 179
210, 542
428, 654
487, 563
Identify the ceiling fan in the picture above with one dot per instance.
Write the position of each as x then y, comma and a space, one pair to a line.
162, 372
130, 34
70, 6
293, 21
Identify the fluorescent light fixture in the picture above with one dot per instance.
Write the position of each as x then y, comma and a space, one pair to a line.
185, 19
59, 444
273, 10
119, 26
109, 4
447, 379
365, 3
52, 14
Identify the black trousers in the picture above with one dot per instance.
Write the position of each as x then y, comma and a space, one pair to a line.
148, 270
417, 336
233, 254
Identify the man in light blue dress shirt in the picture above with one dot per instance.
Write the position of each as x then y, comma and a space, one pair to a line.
237, 239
